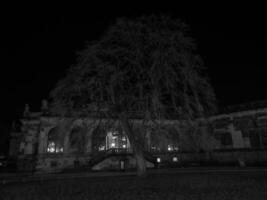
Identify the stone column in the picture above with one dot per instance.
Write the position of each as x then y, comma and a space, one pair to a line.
28, 147
30, 138
42, 141
42, 146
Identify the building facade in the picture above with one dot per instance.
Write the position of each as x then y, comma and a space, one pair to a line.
39, 143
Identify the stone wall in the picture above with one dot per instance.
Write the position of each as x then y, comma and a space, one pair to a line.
247, 129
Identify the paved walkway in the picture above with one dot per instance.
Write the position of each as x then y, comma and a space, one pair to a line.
9, 178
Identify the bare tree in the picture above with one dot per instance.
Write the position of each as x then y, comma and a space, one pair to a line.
144, 69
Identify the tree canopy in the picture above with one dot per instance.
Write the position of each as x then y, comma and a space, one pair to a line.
146, 66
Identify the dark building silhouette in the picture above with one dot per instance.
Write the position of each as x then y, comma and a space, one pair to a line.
240, 134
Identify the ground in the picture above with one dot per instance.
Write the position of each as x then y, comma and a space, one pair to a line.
194, 184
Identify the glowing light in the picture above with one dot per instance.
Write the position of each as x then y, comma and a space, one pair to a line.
51, 147
170, 148
158, 160
123, 138
123, 146
175, 159
101, 148
112, 144
59, 149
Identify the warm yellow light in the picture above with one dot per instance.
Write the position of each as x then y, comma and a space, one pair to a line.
158, 160
124, 146
175, 159
112, 144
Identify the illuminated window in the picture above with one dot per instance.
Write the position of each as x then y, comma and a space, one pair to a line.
99, 140
59, 150
101, 148
170, 148
51, 147
55, 142
158, 160
116, 140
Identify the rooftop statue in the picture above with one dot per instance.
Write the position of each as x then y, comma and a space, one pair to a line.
26, 110
44, 107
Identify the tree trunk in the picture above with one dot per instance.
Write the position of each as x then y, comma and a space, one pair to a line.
140, 162
137, 148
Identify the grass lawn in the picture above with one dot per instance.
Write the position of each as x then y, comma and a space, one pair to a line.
161, 186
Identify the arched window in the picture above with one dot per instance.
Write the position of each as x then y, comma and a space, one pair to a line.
117, 140
166, 139
173, 139
55, 140
109, 139
77, 139
99, 140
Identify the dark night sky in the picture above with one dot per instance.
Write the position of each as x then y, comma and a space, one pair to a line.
37, 45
